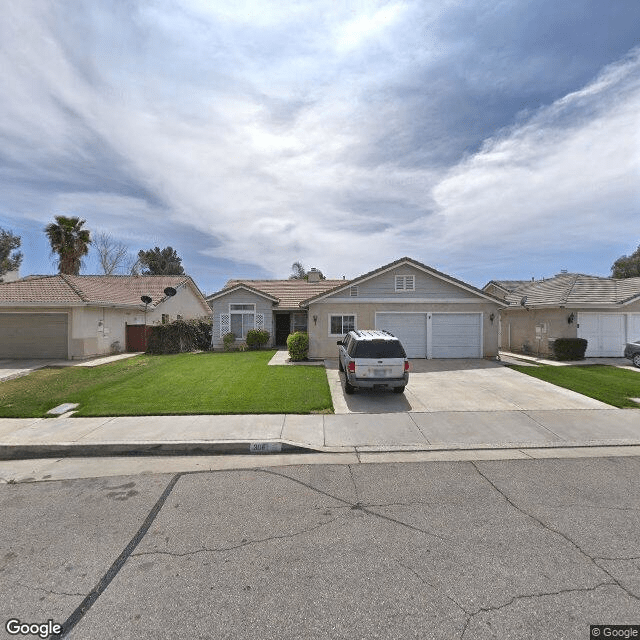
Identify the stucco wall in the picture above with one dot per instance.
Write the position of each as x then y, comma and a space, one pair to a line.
321, 345
518, 326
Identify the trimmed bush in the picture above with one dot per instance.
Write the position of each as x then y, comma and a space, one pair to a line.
298, 346
227, 341
569, 348
180, 336
257, 338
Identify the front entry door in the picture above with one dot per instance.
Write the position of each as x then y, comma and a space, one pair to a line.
283, 326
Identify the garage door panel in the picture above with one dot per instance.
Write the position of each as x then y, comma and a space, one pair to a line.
634, 327
33, 335
604, 333
409, 328
456, 335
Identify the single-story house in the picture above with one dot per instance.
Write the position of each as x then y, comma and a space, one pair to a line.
433, 314
604, 311
75, 317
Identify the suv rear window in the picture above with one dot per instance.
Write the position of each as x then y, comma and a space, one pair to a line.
379, 349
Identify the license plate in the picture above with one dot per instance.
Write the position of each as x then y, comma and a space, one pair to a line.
380, 373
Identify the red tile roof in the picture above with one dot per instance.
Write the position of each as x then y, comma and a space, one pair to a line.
290, 293
116, 290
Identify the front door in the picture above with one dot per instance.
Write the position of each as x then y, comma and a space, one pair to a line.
283, 328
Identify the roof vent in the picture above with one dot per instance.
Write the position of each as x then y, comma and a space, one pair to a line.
523, 302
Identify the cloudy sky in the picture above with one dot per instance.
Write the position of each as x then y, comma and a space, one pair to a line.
487, 139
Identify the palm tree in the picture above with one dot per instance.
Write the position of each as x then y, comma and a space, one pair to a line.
69, 241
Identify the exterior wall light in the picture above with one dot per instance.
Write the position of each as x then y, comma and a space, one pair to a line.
492, 317
571, 318
315, 320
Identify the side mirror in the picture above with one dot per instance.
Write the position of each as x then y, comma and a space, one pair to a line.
340, 342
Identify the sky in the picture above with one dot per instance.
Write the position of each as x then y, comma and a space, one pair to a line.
489, 140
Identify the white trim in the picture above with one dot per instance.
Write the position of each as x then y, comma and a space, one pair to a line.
237, 287
341, 315
396, 265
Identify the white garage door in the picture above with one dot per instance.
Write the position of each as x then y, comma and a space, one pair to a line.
410, 328
456, 335
33, 335
634, 327
604, 333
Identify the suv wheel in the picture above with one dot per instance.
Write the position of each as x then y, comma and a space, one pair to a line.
636, 359
348, 388
398, 389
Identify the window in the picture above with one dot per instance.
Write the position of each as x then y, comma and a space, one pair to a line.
405, 283
165, 318
299, 322
339, 325
243, 318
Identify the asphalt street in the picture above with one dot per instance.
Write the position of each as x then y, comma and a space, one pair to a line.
473, 550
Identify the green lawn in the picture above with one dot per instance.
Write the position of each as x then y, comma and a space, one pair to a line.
607, 384
178, 384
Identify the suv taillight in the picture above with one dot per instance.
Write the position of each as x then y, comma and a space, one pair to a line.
406, 365
351, 367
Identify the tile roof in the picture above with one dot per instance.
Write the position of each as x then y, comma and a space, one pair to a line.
290, 293
118, 290
575, 289
507, 285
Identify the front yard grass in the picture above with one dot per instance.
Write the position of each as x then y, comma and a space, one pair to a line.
608, 384
187, 383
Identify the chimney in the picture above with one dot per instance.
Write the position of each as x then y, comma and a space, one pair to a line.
313, 275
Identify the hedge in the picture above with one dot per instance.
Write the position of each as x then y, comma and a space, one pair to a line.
298, 346
179, 336
569, 348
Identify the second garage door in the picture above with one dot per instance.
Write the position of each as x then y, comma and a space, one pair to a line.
435, 335
33, 335
604, 333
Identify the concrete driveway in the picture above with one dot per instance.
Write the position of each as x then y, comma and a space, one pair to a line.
10, 368
458, 385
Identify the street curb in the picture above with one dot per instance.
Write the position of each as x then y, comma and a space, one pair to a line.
261, 448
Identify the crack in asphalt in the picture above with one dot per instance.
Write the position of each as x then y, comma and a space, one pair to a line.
355, 486
529, 596
51, 591
548, 527
244, 543
357, 505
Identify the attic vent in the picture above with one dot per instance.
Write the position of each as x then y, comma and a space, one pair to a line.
353, 292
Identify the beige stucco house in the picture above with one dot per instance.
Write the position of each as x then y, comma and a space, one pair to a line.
433, 314
604, 311
75, 317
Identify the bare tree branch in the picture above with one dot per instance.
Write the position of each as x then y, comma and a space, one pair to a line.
113, 255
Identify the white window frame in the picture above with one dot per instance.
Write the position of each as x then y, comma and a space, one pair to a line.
243, 312
342, 315
402, 283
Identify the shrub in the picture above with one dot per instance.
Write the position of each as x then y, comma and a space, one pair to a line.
180, 336
569, 348
227, 340
298, 346
257, 338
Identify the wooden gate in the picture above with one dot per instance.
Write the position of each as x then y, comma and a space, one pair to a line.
137, 335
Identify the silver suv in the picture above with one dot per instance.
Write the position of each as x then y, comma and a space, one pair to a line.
373, 360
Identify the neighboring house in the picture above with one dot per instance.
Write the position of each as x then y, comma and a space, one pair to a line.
74, 317
433, 314
604, 311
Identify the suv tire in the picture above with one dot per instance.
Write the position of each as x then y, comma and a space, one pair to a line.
398, 389
636, 359
340, 367
348, 388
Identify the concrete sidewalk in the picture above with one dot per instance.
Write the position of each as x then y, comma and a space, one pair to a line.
23, 438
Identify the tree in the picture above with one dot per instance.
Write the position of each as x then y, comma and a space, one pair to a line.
298, 272
9, 261
627, 266
113, 255
70, 242
160, 262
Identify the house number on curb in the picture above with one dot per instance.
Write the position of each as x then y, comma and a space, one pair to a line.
265, 447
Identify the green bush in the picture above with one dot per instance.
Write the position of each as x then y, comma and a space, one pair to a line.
257, 338
180, 336
298, 346
227, 340
569, 348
